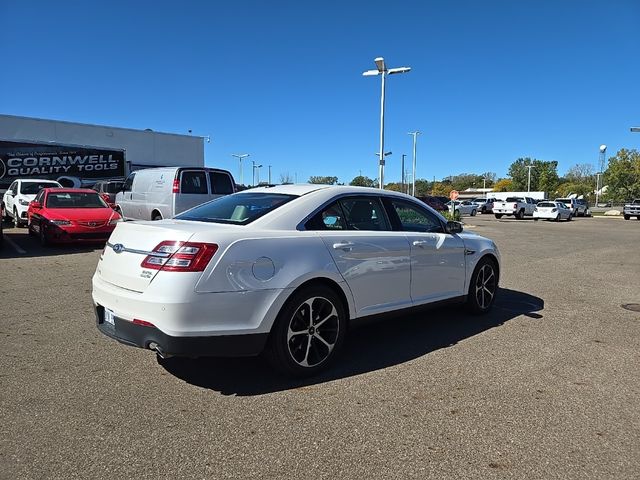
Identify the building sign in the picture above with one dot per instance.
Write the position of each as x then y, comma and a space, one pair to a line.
52, 161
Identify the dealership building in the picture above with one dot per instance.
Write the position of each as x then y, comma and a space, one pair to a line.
79, 154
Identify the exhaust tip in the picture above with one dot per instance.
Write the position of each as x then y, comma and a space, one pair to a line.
156, 348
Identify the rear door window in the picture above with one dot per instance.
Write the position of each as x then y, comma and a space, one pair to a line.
220, 183
193, 182
364, 213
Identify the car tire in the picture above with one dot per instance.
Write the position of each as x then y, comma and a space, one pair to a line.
483, 287
627, 217
473, 213
296, 345
16, 219
30, 230
498, 215
569, 218
520, 215
156, 217
44, 241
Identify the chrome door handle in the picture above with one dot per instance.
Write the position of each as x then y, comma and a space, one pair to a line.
420, 243
343, 246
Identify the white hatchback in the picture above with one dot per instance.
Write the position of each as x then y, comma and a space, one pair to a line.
552, 211
19, 194
284, 269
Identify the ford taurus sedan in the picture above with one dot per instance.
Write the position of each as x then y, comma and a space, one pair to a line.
284, 270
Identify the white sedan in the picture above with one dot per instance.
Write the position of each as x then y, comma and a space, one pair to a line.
465, 207
552, 211
284, 269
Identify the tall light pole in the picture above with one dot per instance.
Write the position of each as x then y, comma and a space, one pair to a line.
601, 160
383, 71
415, 139
402, 170
256, 168
529, 178
240, 156
269, 174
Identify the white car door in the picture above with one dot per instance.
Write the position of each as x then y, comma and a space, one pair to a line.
9, 198
437, 258
373, 259
123, 198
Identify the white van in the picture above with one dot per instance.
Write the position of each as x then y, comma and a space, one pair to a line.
157, 193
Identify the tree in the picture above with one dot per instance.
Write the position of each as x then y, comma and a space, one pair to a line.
362, 181
323, 180
503, 185
441, 189
622, 176
544, 175
580, 173
286, 178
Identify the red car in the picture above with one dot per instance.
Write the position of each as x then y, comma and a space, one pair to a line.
68, 215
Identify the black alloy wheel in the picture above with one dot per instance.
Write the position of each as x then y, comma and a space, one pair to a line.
308, 332
483, 287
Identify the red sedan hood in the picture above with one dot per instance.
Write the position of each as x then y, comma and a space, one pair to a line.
80, 214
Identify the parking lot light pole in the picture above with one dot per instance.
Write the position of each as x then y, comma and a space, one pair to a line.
383, 71
240, 156
415, 139
269, 174
529, 178
256, 168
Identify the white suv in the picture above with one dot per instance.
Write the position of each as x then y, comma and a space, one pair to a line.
16, 199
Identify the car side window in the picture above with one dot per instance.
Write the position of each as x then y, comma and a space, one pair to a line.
193, 181
414, 219
128, 183
364, 213
13, 187
220, 183
330, 218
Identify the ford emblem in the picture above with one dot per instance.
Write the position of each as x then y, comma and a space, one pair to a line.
118, 248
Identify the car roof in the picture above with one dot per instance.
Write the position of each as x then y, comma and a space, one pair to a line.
70, 190
36, 180
306, 188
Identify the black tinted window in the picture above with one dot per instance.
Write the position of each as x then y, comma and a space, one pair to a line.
128, 183
31, 188
240, 208
220, 183
330, 218
364, 214
193, 182
112, 187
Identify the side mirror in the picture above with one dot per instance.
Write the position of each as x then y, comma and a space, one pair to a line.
35, 205
453, 227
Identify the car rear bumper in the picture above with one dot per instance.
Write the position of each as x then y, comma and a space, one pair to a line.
150, 337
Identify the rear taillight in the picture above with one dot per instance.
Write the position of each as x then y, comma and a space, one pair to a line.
515, 205
176, 186
173, 256
554, 210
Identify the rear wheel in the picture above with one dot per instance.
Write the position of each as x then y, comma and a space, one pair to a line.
473, 213
520, 215
569, 218
308, 332
483, 287
498, 215
156, 216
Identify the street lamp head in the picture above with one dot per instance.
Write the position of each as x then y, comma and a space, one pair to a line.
370, 73
380, 64
391, 71
635, 129
603, 148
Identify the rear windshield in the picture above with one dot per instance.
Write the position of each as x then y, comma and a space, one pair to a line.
563, 200
546, 204
75, 200
514, 199
239, 208
32, 188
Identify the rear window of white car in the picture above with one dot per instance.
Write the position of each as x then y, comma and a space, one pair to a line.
238, 209
547, 204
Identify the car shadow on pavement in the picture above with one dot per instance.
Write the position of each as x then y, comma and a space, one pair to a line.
18, 244
380, 344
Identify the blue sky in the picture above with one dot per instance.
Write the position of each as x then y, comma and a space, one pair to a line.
491, 81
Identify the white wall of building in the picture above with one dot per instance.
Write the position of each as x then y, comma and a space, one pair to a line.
142, 147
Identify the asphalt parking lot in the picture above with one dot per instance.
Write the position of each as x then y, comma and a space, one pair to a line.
546, 386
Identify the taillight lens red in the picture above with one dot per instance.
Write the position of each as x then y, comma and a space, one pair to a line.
176, 186
144, 323
180, 256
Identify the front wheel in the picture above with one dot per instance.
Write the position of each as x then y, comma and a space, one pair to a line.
16, 219
627, 217
569, 218
483, 287
520, 215
308, 332
473, 213
44, 241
